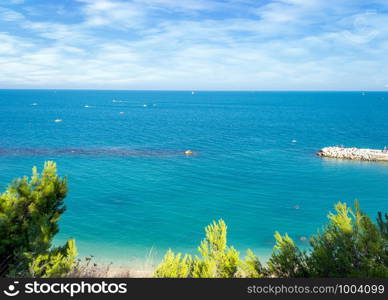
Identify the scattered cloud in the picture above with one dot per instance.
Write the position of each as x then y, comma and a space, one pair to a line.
203, 44
11, 2
9, 15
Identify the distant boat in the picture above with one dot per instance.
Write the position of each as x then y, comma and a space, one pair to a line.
188, 152
86, 106
34, 104
192, 93
121, 112
58, 120
144, 105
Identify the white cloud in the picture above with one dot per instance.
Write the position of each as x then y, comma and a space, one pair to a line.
3, 2
9, 15
111, 13
285, 44
10, 45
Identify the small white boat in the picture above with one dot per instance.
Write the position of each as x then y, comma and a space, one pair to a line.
189, 152
58, 120
34, 104
192, 93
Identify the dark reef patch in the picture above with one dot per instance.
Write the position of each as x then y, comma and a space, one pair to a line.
89, 152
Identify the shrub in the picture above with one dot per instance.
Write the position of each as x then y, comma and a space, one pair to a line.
215, 251
383, 225
251, 267
29, 213
286, 260
350, 246
55, 263
174, 266
217, 260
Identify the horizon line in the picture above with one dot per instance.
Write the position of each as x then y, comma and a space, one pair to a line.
181, 90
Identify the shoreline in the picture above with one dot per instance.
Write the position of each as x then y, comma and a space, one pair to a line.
102, 266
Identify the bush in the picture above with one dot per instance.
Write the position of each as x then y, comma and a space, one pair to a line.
55, 263
252, 267
383, 225
286, 260
217, 259
175, 266
222, 259
29, 213
349, 246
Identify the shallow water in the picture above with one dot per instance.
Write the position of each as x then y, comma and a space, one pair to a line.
133, 191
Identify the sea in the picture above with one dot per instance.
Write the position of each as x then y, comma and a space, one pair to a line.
134, 193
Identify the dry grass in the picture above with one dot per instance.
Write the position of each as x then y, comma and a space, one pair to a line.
89, 268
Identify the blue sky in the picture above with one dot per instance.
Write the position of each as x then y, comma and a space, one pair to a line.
194, 44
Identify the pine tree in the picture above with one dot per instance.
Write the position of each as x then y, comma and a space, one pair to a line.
350, 246
29, 213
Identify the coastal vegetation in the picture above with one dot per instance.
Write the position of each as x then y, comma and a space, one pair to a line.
349, 245
29, 213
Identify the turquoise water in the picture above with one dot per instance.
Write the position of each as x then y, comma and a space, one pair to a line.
132, 190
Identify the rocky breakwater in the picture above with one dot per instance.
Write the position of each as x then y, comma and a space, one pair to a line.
354, 153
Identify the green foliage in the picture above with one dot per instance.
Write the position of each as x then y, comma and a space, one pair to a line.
55, 263
174, 266
286, 260
29, 213
251, 266
203, 268
217, 259
215, 251
350, 246
383, 225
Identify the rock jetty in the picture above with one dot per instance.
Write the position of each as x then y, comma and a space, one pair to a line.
354, 153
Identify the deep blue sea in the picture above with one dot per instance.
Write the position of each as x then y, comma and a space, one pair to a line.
133, 193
